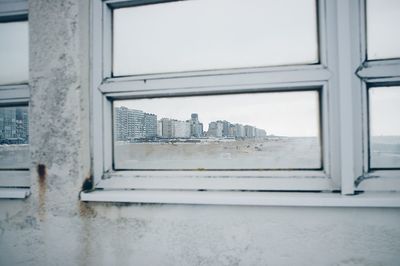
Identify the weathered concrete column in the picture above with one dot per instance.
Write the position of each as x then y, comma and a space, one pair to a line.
59, 103
59, 122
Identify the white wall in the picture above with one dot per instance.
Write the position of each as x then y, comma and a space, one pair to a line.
52, 227
110, 234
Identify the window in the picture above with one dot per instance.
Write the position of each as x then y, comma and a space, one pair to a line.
380, 75
219, 132
384, 110
14, 99
14, 52
200, 35
237, 95
382, 38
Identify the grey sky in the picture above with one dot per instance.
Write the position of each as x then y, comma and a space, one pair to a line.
289, 113
385, 111
214, 34
14, 52
383, 22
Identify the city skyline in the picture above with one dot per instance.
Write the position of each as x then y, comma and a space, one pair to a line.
134, 124
279, 113
14, 125
183, 120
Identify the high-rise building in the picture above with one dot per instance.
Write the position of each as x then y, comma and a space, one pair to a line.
166, 125
133, 124
181, 129
172, 128
14, 128
25, 124
121, 123
149, 125
250, 131
239, 131
196, 128
159, 128
215, 129
195, 117
226, 129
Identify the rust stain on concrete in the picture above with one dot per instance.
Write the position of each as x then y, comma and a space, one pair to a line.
42, 174
86, 211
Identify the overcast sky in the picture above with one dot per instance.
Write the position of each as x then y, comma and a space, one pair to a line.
286, 114
14, 52
384, 111
213, 34
383, 34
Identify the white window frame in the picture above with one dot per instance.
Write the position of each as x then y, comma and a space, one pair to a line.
342, 119
14, 183
384, 72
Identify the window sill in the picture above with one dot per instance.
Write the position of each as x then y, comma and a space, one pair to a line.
306, 199
14, 193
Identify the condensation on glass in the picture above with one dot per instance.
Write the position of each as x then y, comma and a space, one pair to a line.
384, 124
213, 34
14, 52
14, 137
383, 35
274, 130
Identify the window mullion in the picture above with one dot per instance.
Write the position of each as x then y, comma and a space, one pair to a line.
96, 115
349, 88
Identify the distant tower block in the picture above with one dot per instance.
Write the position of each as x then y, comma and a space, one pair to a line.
196, 128
195, 117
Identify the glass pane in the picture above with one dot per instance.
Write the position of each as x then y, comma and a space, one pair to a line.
384, 111
14, 52
214, 34
236, 131
383, 36
14, 135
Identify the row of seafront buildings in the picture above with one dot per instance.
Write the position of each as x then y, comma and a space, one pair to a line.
14, 126
226, 129
131, 124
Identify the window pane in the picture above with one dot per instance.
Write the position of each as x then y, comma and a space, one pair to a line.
14, 135
384, 110
214, 34
383, 36
236, 131
14, 52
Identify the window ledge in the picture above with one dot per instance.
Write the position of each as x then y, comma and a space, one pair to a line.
14, 193
370, 199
